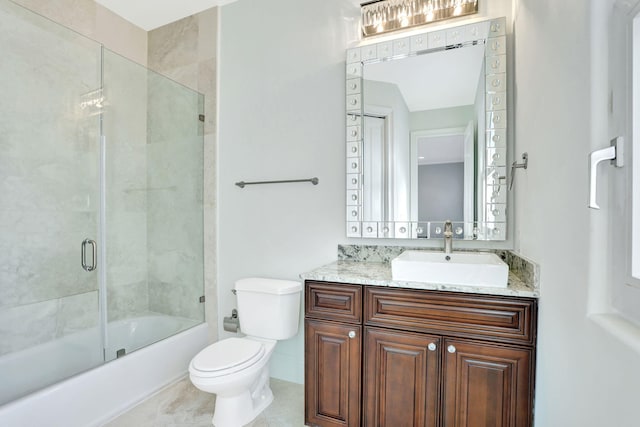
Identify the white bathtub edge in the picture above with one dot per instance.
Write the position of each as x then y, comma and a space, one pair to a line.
99, 395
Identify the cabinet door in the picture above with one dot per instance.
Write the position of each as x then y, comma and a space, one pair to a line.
401, 379
332, 374
486, 385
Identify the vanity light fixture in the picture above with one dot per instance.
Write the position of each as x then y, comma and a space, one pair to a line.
383, 16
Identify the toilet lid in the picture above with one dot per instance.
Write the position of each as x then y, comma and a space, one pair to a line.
231, 355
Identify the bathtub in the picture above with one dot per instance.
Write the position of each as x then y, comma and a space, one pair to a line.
99, 394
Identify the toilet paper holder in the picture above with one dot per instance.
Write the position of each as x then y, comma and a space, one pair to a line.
231, 324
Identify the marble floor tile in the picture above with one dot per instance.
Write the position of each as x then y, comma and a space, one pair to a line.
183, 405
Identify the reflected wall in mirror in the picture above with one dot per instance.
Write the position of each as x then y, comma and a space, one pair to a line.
426, 135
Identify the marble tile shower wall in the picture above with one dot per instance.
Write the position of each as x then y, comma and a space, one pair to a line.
126, 216
48, 171
47, 182
95, 22
143, 271
186, 52
174, 197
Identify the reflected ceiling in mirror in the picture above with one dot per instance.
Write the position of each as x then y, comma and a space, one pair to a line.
426, 135
451, 81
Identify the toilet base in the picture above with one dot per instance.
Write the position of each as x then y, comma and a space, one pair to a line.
239, 410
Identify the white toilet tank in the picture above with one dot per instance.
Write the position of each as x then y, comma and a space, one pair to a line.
268, 308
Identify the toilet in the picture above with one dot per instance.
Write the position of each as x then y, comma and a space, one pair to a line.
236, 369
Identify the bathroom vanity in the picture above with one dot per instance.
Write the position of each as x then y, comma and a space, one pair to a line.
382, 353
454, 348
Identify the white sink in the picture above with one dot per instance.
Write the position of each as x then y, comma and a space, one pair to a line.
457, 268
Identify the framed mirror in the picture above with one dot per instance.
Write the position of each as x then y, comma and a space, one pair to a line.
427, 135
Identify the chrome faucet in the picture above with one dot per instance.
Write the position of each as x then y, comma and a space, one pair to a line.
448, 236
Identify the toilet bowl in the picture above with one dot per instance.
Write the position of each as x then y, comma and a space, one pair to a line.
236, 369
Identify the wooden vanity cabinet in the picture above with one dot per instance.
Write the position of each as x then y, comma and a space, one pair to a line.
333, 354
389, 357
486, 385
401, 379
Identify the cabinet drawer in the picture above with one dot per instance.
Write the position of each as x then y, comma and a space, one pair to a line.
464, 315
334, 301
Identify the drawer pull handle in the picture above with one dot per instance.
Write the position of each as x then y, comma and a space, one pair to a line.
451, 349
432, 347
352, 334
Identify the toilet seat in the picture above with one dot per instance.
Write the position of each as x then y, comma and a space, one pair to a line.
228, 356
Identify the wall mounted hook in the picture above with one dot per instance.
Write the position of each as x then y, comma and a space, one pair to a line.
515, 165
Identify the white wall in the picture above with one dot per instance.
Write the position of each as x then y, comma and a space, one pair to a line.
584, 376
281, 115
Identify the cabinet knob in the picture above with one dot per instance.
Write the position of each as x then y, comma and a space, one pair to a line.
352, 334
451, 349
432, 347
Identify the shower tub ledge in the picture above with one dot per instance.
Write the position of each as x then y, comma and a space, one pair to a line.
96, 396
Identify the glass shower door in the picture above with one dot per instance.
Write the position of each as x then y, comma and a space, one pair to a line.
153, 232
49, 202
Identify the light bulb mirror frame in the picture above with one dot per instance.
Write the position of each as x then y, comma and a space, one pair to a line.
491, 220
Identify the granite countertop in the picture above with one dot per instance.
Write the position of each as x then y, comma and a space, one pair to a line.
379, 274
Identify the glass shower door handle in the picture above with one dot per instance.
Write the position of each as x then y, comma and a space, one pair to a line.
83, 255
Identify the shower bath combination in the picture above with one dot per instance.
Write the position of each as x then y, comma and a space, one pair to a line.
101, 205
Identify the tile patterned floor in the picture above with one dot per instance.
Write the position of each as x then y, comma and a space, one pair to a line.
183, 405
